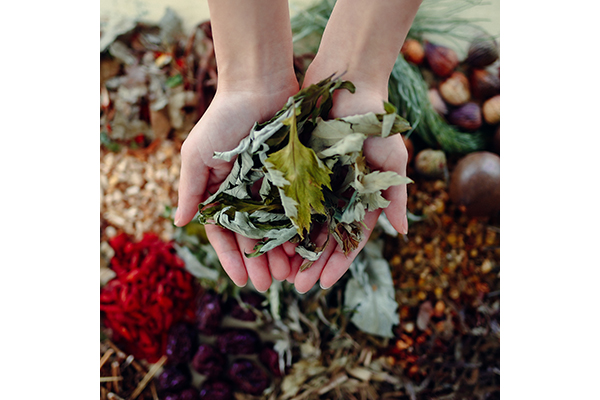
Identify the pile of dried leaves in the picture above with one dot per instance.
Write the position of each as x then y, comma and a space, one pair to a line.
416, 317
303, 188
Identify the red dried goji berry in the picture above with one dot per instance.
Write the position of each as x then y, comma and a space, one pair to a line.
168, 320
165, 302
178, 262
170, 276
123, 294
117, 242
110, 308
107, 297
125, 333
132, 275
134, 261
148, 262
128, 248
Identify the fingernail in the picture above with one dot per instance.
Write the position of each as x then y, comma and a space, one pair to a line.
177, 217
323, 287
404, 227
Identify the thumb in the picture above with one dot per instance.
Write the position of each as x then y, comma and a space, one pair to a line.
390, 154
192, 185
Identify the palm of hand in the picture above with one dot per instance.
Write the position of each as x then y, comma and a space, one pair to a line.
386, 154
228, 119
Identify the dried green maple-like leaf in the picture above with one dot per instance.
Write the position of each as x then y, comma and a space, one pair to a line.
299, 174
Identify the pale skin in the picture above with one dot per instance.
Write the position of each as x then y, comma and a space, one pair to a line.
254, 53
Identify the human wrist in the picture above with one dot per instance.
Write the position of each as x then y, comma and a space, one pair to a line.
363, 40
253, 44
369, 83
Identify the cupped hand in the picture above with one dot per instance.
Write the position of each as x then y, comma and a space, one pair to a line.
383, 154
227, 120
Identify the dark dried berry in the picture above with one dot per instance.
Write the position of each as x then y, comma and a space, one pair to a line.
174, 378
208, 361
216, 390
483, 84
482, 52
190, 393
467, 116
441, 59
181, 342
270, 359
209, 313
244, 311
238, 341
248, 377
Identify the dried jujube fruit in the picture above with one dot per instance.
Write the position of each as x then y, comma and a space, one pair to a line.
483, 84
208, 361
215, 390
250, 299
182, 340
174, 378
475, 184
491, 110
270, 359
248, 376
209, 313
482, 52
441, 59
238, 341
413, 51
190, 393
467, 116
455, 89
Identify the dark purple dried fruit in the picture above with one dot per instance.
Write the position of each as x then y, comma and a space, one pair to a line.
209, 313
251, 299
174, 378
190, 393
441, 59
483, 84
482, 52
208, 361
181, 343
467, 116
216, 390
270, 359
238, 341
248, 377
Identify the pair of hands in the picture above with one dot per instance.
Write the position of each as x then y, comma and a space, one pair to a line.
228, 119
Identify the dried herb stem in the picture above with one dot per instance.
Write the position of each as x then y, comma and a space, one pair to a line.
154, 391
135, 364
151, 372
116, 373
105, 357
110, 378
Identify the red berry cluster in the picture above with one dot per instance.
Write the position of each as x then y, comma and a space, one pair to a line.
151, 291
